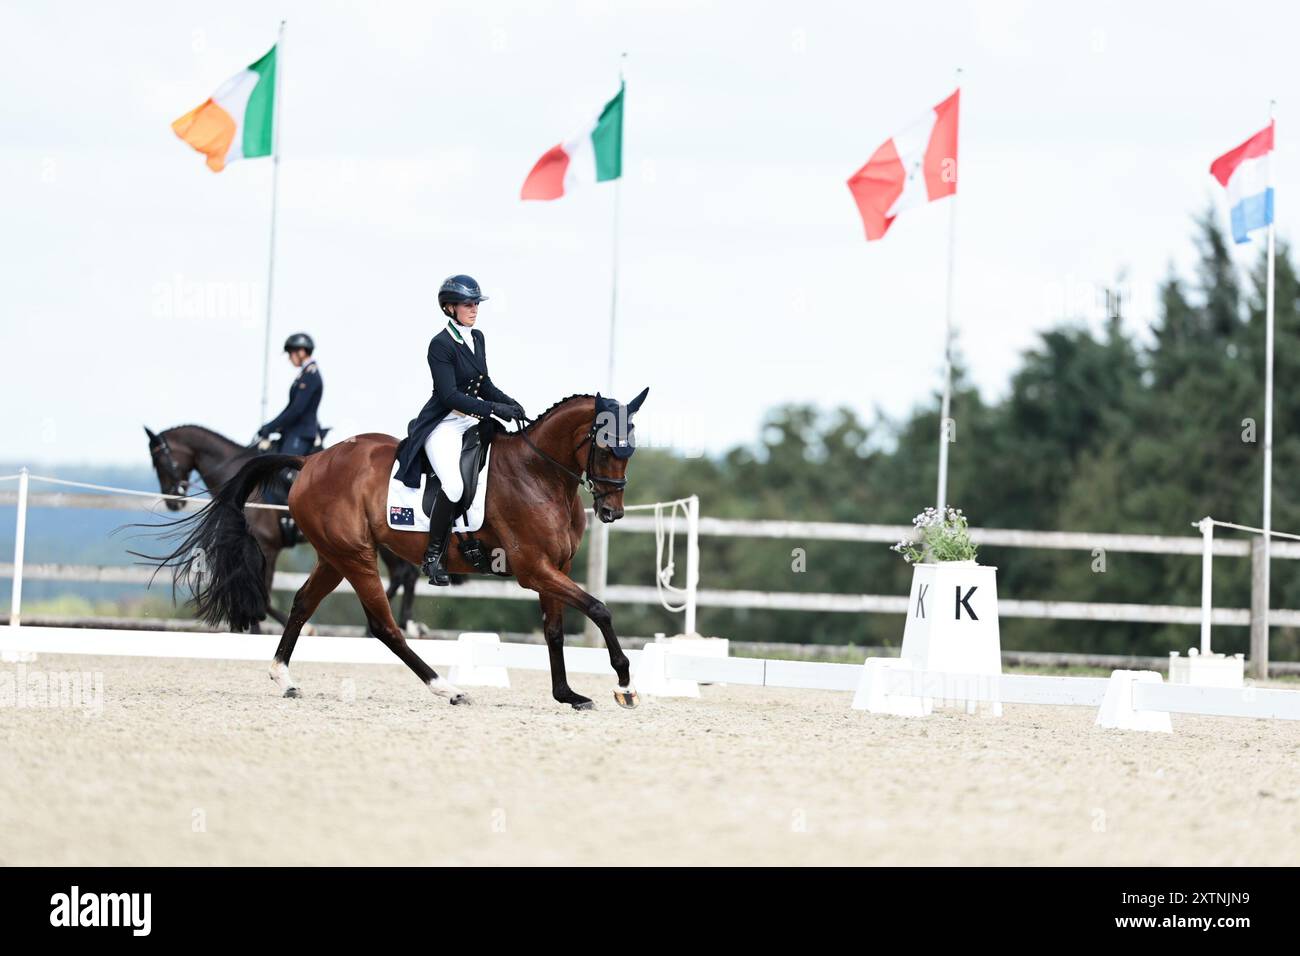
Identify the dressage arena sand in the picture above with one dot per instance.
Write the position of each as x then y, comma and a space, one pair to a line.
368, 768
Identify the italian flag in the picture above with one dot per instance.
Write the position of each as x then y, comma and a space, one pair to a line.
917, 166
594, 155
238, 121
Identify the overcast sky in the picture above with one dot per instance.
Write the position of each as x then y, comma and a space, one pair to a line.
132, 279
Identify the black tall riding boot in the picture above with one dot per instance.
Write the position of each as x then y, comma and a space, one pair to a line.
439, 531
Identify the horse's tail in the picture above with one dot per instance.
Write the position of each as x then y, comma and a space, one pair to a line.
219, 559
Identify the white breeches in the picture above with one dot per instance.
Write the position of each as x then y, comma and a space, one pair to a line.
443, 448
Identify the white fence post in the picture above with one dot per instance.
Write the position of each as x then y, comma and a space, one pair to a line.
1207, 572
1259, 610
597, 573
20, 535
692, 561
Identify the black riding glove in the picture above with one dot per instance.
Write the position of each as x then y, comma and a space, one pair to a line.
507, 410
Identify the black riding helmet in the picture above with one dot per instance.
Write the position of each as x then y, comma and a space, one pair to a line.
458, 289
299, 340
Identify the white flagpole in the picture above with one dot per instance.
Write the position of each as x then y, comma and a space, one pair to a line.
1259, 655
946, 407
598, 560
613, 295
275, 185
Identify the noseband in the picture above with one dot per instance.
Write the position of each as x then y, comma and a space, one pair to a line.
587, 479
180, 483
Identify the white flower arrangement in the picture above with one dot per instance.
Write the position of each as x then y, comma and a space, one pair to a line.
940, 536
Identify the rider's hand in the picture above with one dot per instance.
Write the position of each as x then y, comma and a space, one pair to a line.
506, 410
264, 444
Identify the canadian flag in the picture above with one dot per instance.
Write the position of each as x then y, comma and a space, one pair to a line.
917, 166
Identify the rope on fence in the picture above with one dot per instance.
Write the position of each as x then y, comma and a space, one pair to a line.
664, 570
1245, 527
155, 495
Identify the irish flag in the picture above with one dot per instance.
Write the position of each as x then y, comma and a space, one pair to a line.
917, 166
238, 121
595, 155
1245, 174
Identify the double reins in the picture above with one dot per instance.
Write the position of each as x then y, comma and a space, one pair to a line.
586, 478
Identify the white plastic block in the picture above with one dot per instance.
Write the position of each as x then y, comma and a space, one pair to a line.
873, 691
1117, 710
698, 646
1207, 670
467, 673
651, 675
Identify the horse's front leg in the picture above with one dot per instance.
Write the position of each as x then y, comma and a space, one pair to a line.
551, 582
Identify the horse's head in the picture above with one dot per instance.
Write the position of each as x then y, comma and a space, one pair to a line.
613, 442
172, 462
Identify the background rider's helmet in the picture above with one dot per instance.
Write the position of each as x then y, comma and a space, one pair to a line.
299, 340
459, 289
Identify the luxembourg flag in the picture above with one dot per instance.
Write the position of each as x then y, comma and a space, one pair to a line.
917, 166
237, 121
593, 155
1245, 173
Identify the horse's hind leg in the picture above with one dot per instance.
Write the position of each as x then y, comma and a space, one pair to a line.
370, 591
323, 579
269, 541
553, 629
401, 577
280, 618
410, 577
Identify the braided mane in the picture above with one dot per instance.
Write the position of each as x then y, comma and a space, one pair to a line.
538, 419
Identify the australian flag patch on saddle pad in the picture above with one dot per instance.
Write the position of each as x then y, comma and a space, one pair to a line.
406, 505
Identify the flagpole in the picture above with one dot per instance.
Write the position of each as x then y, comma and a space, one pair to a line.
613, 295
1259, 652
598, 561
275, 187
946, 407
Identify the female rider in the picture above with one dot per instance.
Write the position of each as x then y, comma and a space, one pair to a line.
463, 395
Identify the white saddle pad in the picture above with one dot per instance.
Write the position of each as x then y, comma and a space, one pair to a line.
406, 505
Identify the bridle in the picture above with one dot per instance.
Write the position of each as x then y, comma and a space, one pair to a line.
587, 479
180, 482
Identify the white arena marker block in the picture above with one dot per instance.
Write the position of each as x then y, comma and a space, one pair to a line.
651, 675
698, 646
952, 624
470, 674
1117, 706
1207, 670
873, 693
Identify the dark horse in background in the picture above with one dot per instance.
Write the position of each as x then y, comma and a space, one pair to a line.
177, 452
534, 518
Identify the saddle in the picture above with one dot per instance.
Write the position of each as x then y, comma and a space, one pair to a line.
473, 455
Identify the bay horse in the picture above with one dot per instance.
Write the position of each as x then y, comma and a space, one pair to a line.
534, 520
178, 452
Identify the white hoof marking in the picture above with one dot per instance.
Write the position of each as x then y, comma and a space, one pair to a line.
445, 688
280, 674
